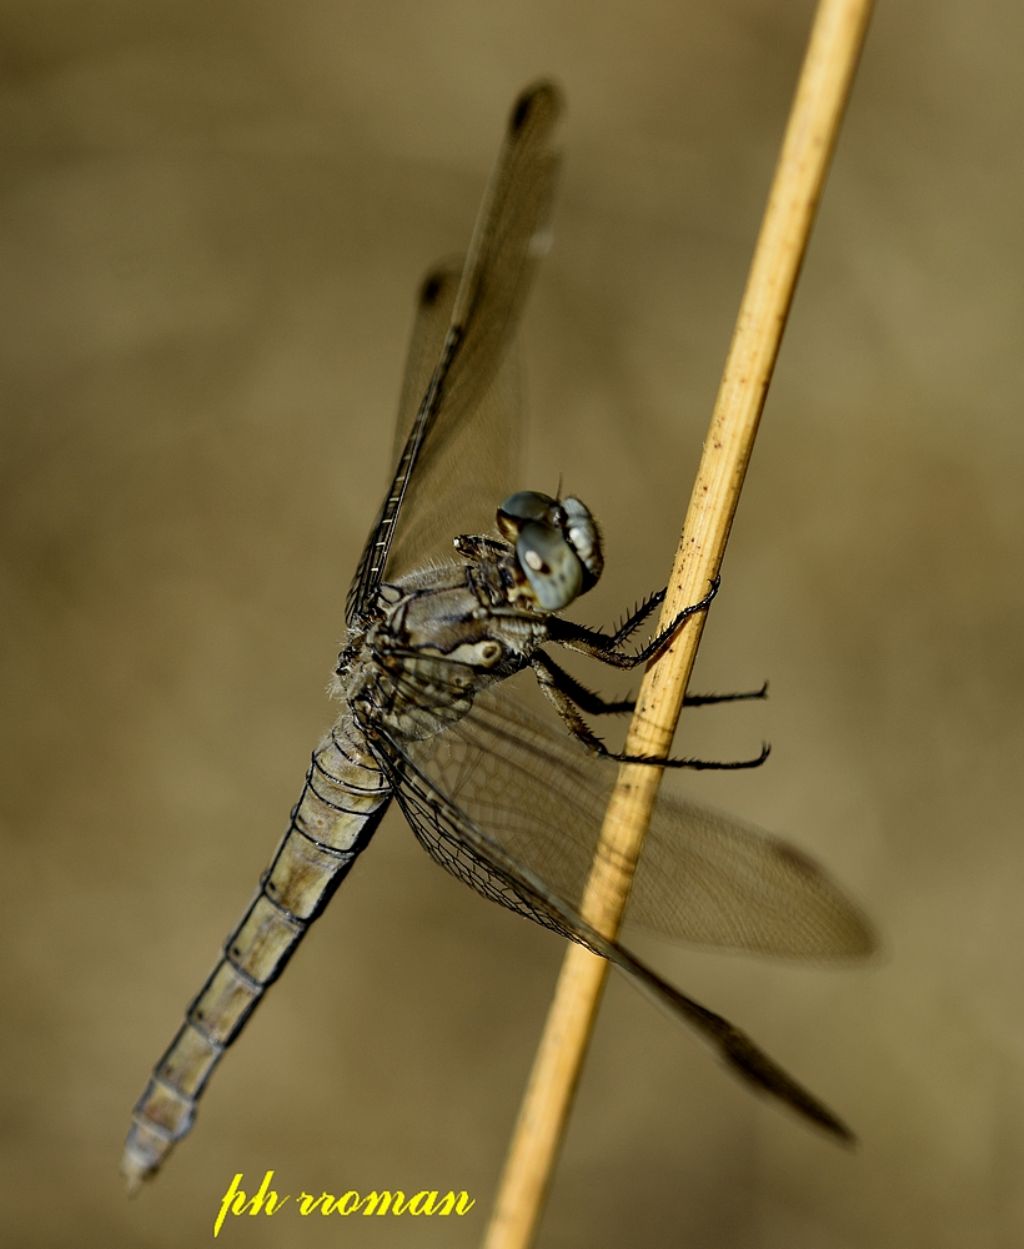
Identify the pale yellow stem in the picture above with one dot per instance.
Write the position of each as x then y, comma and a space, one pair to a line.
835, 43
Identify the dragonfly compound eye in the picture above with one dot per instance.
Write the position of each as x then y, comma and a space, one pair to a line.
583, 535
550, 565
558, 545
523, 506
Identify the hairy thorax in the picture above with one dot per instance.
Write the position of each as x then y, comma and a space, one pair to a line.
441, 635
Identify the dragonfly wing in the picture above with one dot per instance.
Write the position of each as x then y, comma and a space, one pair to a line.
434, 303
469, 852
511, 234
704, 877
464, 471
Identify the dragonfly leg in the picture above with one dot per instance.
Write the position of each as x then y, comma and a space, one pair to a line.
708, 700
562, 695
585, 699
605, 647
595, 704
629, 626
631, 623
474, 547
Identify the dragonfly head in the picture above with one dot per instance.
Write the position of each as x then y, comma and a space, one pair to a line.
557, 545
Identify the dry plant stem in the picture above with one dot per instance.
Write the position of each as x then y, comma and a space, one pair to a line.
836, 39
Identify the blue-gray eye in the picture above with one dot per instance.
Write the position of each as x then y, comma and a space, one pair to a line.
549, 564
523, 506
558, 545
583, 535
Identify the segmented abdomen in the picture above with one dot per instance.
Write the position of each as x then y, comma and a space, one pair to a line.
341, 805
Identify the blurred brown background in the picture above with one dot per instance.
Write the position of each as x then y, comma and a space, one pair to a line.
212, 221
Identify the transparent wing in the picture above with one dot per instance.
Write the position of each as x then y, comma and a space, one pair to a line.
434, 303
510, 235
467, 466
467, 849
703, 877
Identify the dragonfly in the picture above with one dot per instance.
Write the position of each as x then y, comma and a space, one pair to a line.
452, 618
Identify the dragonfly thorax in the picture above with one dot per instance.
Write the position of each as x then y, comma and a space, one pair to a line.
447, 632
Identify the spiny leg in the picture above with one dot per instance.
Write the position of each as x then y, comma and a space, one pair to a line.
587, 700
549, 676
475, 546
710, 700
601, 646
595, 704
633, 622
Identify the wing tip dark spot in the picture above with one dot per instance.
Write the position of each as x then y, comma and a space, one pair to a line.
431, 288
540, 94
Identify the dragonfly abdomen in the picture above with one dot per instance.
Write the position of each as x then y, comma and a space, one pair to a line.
341, 804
